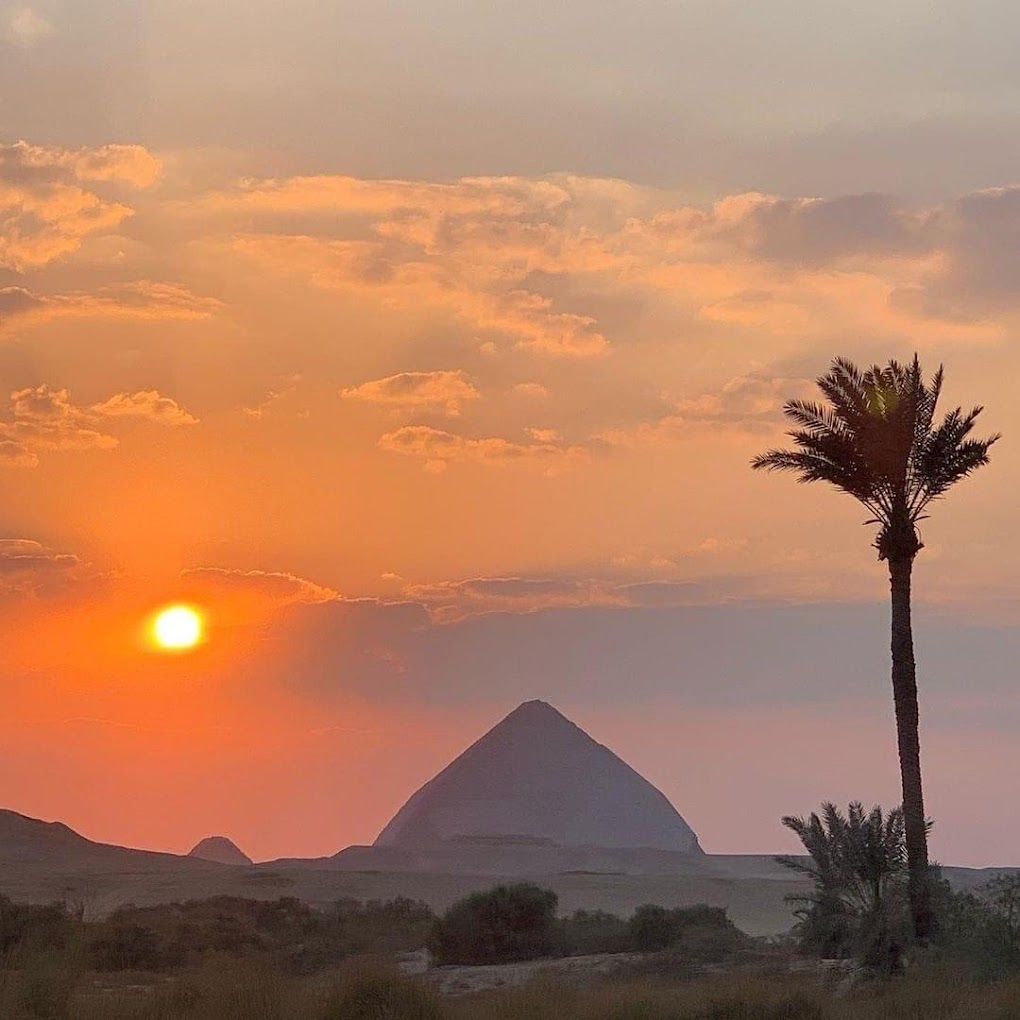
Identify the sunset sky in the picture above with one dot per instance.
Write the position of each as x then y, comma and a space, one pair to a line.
424, 346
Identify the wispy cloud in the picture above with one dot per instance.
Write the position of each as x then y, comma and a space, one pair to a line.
24, 26
443, 391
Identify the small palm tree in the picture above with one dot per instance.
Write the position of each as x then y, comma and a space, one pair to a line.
856, 863
877, 440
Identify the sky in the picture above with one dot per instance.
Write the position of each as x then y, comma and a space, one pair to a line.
424, 347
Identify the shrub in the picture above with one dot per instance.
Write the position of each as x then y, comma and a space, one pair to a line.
370, 994
229, 988
38, 984
505, 924
298, 938
978, 928
704, 933
125, 947
592, 931
48, 926
653, 928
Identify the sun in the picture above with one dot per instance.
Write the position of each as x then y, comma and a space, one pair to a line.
177, 628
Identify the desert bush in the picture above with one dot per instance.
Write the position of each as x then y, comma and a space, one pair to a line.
592, 931
47, 926
1001, 897
298, 938
506, 924
231, 989
383, 926
38, 983
700, 933
124, 946
653, 928
372, 993
979, 929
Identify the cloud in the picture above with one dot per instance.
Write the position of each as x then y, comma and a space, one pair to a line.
274, 398
590, 269
18, 301
807, 231
24, 26
29, 569
749, 404
457, 600
44, 418
41, 403
24, 555
488, 300
449, 601
443, 391
147, 404
534, 390
468, 247
26, 164
439, 449
45, 211
145, 300
276, 587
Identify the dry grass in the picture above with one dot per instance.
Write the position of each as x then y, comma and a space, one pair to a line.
46, 988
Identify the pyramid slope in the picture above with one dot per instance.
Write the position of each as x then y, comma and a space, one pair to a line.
220, 850
536, 778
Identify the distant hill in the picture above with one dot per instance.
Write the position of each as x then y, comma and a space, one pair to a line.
220, 850
42, 862
29, 839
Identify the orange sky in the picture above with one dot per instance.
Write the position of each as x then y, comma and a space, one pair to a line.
416, 441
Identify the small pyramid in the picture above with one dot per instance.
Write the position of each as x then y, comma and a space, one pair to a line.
219, 850
537, 778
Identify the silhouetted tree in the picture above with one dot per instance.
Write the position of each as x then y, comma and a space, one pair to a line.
878, 441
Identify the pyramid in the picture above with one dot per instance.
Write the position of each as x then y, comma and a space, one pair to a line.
219, 850
536, 778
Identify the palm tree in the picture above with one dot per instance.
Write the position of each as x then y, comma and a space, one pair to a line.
854, 862
878, 441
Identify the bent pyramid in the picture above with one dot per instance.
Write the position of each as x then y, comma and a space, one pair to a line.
537, 778
220, 850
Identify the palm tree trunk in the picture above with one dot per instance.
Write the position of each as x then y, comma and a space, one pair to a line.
904, 681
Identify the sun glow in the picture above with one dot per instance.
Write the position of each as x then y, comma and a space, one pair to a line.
177, 628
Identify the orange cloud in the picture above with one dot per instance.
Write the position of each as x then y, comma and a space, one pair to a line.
244, 595
147, 404
45, 211
139, 299
43, 418
746, 404
30, 570
127, 164
439, 449
452, 601
25, 27
491, 303
445, 391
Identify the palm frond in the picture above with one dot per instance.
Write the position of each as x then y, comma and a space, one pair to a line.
876, 439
